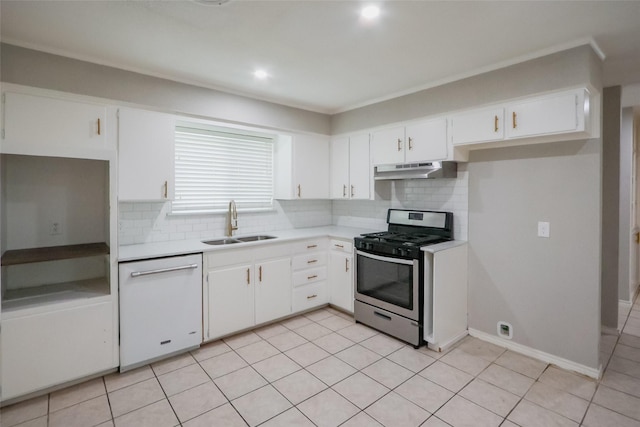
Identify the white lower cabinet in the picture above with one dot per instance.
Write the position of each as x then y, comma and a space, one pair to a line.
310, 274
341, 274
309, 296
231, 300
273, 289
445, 307
46, 349
244, 288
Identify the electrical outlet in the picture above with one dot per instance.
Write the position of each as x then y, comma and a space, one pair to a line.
55, 228
543, 229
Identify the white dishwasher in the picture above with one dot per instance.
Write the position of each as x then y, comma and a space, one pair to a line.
160, 308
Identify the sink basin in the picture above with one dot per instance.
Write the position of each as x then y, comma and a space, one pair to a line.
221, 242
255, 238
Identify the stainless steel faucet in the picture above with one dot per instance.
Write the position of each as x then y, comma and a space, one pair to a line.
232, 218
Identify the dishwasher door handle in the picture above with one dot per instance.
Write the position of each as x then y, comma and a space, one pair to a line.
164, 270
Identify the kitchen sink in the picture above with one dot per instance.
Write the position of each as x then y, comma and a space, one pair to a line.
255, 238
231, 241
221, 242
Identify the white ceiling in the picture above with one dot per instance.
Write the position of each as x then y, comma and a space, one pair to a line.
320, 55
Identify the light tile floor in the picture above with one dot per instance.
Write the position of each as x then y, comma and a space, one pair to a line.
322, 369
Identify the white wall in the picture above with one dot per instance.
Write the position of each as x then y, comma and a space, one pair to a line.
39, 190
149, 222
430, 194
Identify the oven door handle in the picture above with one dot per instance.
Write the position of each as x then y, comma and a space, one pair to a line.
387, 259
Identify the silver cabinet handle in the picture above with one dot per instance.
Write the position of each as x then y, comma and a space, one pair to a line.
163, 270
312, 296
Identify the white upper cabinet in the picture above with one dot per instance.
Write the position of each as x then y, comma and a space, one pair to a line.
145, 155
41, 125
426, 141
544, 115
359, 167
302, 167
561, 115
387, 146
417, 142
482, 125
350, 173
339, 171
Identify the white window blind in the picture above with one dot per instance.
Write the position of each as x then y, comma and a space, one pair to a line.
213, 166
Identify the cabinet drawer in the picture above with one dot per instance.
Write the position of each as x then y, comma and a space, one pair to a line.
315, 259
341, 245
309, 245
309, 296
311, 275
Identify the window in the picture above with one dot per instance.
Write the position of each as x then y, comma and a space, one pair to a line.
214, 165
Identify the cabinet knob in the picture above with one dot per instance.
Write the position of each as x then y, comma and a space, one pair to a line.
399, 144
166, 189
344, 190
260, 273
346, 265
315, 276
299, 191
514, 118
248, 276
410, 143
495, 123
98, 126
312, 261
353, 188
312, 296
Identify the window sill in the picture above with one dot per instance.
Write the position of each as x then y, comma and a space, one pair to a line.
220, 212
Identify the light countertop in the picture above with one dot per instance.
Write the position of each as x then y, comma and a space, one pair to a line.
180, 247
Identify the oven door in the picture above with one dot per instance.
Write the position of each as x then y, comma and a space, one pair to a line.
389, 283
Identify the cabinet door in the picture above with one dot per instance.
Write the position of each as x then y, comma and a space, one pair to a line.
359, 167
146, 141
311, 165
43, 350
557, 113
427, 141
387, 146
475, 126
341, 280
230, 300
339, 168
40, 125
273, 289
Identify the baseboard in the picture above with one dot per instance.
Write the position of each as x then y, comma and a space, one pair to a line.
626, 304
447, 344
608, 330
537, 354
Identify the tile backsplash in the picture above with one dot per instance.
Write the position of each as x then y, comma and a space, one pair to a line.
151, 222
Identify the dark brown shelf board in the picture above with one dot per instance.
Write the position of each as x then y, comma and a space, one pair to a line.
53, 253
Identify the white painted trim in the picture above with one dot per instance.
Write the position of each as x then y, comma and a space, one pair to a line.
607, 330
537, 354
440, 347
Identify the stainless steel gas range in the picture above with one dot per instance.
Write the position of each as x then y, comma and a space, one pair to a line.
391, 272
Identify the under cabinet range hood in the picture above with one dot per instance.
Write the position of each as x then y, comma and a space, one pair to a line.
430, 170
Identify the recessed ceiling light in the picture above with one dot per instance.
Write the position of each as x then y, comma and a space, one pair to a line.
260, 74
370, 12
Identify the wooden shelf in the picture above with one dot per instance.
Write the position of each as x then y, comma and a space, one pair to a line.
53, 253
